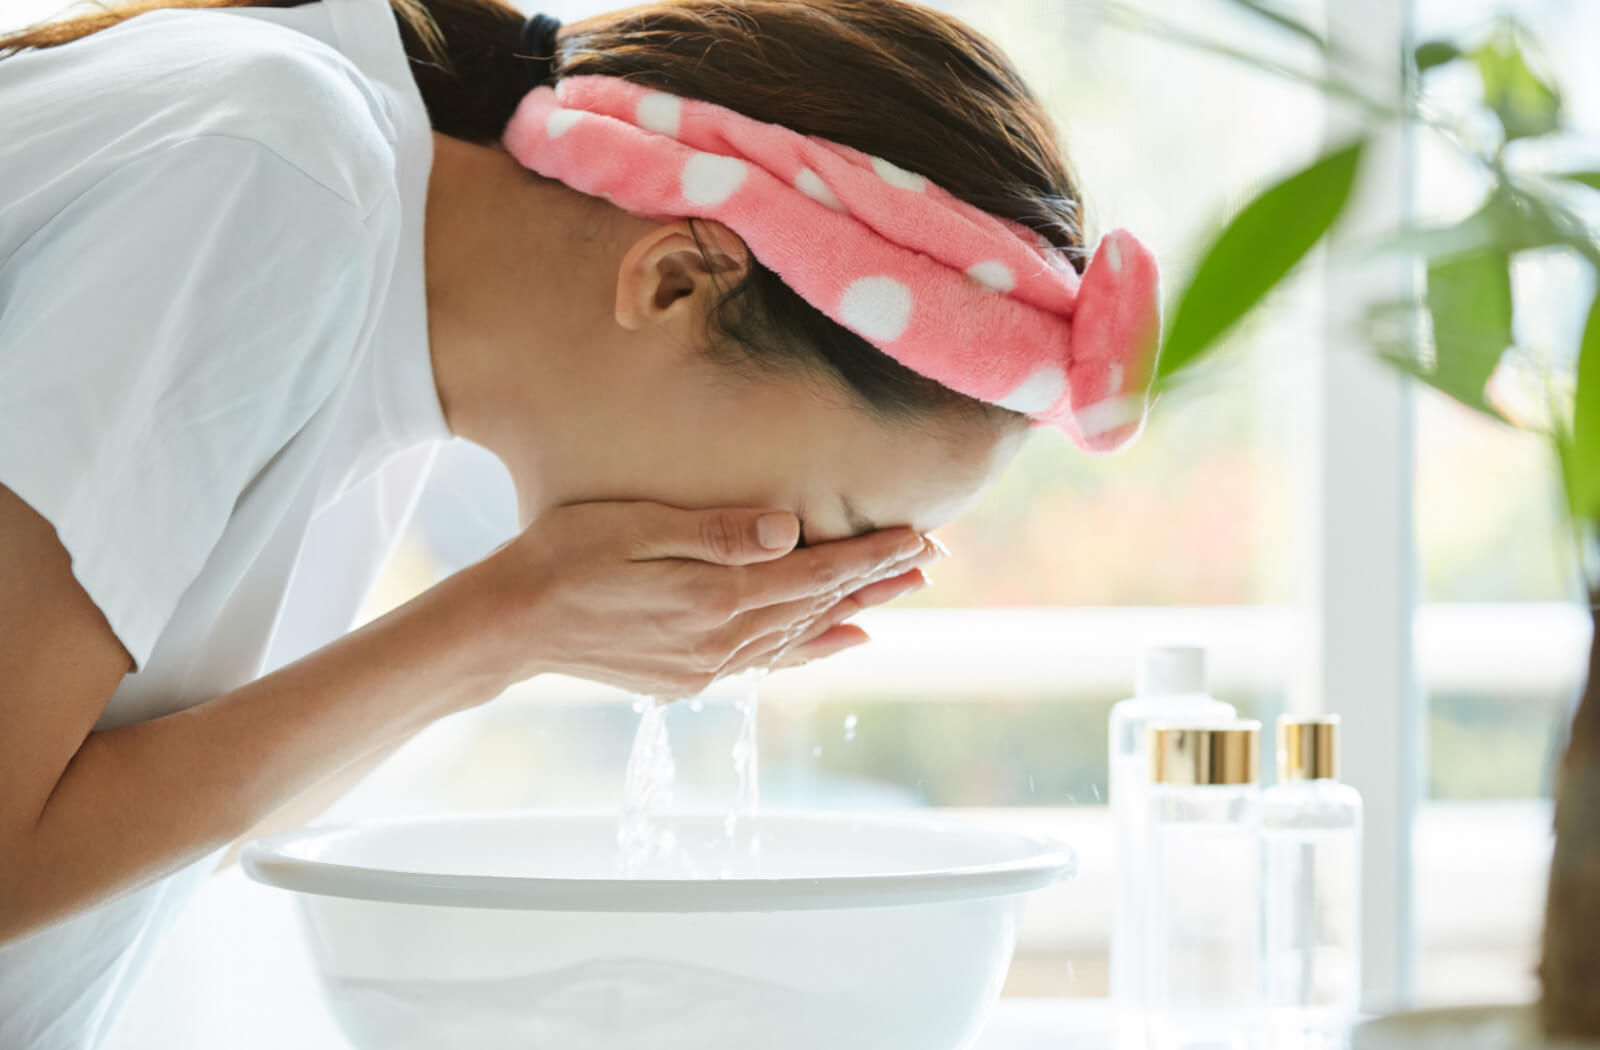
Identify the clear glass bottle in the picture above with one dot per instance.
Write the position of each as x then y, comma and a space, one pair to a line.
1203, 941
1170, 686
1311, 846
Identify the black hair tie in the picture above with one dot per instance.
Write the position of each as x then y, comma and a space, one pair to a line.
538, 46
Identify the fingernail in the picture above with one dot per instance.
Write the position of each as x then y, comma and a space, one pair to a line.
910, 545
777, 531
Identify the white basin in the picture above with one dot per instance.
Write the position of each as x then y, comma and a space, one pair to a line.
512, 930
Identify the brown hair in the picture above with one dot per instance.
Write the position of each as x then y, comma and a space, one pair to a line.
888, 77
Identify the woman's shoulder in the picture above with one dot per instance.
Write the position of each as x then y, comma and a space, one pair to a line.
172, 75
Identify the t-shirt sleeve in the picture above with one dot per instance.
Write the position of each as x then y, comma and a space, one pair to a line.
161, 338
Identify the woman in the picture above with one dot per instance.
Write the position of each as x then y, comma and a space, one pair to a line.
230, 343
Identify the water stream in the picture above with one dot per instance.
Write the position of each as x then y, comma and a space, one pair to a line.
643, 837
646, 791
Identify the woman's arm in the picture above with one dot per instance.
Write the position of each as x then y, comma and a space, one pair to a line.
87, 814
314, 801
611, 591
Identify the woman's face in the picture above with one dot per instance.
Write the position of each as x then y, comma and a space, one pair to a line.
673, 425
785, 443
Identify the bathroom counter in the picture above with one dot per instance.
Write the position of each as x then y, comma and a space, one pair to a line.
235, 973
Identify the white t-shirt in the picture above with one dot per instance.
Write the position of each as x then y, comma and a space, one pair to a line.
215, 378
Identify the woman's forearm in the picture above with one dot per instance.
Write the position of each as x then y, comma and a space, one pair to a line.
315, 800
143, 800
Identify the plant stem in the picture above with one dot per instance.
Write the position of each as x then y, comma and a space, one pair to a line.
1569, 967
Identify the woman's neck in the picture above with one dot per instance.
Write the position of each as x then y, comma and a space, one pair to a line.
512, 286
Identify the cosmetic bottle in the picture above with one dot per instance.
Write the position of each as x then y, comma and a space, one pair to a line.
1203, 936
1170, 685
1311, 892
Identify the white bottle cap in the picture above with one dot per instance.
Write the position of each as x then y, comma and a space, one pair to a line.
1169, 670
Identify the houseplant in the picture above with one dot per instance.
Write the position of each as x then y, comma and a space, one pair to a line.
1456, 336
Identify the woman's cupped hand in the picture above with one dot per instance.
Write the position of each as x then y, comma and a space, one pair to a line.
662, 601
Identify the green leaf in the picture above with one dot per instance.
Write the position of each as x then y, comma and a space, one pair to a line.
1469, 297
1590, 179
1510, 218
1583, 456
1435, 53
1430, 242
1526, 103
1255, 251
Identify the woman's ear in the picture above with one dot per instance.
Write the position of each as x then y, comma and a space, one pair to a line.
666, 277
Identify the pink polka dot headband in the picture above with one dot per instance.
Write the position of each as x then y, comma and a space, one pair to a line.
978, 303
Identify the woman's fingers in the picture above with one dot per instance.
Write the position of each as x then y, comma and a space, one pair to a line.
757, 624
823, 569
832, 642
768, 648
721, 536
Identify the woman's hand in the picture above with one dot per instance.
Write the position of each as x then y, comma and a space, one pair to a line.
663, 602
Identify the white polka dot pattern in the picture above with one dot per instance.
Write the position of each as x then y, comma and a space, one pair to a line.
710, 178
660, 112
993, 275
878, 308
1113, 413
895, 175
561, 121
810, 183
1038, 392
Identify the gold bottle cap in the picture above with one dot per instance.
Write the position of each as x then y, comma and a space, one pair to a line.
1220, 753
1308, 747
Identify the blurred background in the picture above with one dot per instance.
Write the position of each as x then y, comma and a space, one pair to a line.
987, 694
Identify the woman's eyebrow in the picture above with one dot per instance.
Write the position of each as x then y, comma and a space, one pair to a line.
859, 522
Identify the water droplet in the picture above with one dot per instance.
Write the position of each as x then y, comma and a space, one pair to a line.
1096, 789
849, 727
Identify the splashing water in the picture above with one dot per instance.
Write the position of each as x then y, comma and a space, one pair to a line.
646, 791
849, 727
647, 784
